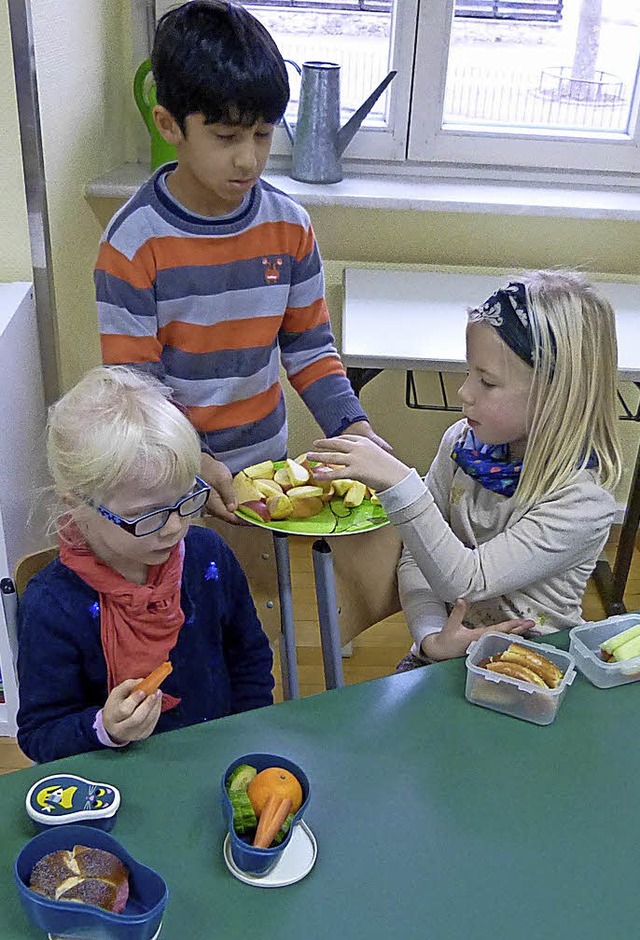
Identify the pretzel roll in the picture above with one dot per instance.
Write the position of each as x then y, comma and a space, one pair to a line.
530, 659
516, 671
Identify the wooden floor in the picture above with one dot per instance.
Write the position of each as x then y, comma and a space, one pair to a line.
375, 652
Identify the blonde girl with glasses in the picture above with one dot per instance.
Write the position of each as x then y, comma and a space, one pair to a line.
516, 508
135, 585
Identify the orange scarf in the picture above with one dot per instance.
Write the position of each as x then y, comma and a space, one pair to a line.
139, 623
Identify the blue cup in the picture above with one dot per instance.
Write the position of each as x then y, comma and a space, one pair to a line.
142, 915
248, 859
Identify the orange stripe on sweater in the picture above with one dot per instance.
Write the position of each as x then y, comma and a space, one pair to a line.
299, 319
117, 348
267, 240
233, 334
113, 262
219, 417
328, 365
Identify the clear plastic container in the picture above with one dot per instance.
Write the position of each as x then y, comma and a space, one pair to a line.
512, 696
584, 645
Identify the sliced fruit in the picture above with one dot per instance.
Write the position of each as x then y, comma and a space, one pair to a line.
240, 777
261, 471
342, 487
298, 474
375, 499
354, 495
269, 488
609, 646
280, 507
257, 509
304, 492
245, 489
281, 477
306, 508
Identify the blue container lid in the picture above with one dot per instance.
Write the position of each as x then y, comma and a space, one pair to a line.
66, 798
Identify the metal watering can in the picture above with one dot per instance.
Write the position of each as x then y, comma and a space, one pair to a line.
144, 92
319, 141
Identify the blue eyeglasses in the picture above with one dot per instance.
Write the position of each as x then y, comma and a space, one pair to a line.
153, 521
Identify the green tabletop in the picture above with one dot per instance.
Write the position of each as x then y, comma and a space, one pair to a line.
434, 818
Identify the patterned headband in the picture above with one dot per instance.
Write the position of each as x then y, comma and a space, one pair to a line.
507, 311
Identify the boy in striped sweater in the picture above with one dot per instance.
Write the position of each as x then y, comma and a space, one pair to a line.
209, 276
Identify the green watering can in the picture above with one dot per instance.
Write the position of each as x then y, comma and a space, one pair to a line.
144, 92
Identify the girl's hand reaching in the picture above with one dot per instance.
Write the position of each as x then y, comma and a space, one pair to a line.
454, 638
128, 715
358, 458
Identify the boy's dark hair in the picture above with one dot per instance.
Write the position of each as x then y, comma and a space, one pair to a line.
214, 58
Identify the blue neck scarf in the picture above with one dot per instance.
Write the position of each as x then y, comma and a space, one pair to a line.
489, 464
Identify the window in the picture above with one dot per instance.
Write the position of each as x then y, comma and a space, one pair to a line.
508, 83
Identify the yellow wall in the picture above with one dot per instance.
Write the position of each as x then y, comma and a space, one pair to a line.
15, 257
81, 52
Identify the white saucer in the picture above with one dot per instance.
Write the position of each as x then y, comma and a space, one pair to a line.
296, 861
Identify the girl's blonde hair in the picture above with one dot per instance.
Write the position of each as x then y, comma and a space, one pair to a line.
573, 416
117, 425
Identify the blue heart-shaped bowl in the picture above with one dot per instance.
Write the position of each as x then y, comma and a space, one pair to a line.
249, 859
142, 915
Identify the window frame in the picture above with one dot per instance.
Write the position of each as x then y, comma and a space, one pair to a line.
429, 142
414, 141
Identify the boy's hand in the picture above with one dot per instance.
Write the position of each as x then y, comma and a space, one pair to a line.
364, 429
222, 498
454, 638
128, 715
358, 458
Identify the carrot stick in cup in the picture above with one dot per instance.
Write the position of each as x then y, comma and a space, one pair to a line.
155, 679
266, 815
274, 824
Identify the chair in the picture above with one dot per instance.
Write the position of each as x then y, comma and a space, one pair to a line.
24, 570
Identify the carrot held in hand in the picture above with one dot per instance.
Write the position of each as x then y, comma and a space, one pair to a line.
155, 679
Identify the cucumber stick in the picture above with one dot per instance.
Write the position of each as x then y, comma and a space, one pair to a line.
628, 650
621, 639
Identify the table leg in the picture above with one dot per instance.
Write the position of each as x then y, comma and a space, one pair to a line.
327, 614
361, 377
288, 661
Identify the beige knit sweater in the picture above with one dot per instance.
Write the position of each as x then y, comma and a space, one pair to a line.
462, 540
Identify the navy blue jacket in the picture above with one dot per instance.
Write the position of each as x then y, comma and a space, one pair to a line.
221, 662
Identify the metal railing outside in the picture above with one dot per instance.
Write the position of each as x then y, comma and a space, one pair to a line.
538, 10
523, 99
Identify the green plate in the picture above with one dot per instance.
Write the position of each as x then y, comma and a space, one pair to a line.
335, 518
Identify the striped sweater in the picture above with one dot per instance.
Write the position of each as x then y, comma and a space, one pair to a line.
213, 306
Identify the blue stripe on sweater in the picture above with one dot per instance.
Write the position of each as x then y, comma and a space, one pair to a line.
219, 364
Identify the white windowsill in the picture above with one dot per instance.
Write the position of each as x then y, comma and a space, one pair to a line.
394, 191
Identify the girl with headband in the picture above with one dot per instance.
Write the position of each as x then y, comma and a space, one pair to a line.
516, 508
